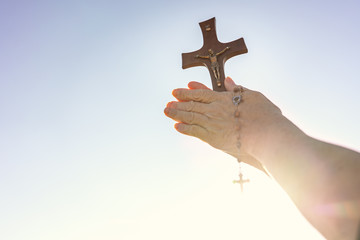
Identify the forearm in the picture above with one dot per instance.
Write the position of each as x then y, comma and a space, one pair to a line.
317, 176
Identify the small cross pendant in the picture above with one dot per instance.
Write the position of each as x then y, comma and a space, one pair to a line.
241, 181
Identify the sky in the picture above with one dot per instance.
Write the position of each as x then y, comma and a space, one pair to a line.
86, 151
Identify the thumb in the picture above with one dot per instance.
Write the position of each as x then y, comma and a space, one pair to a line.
229, 84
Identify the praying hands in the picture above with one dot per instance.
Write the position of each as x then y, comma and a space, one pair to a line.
313, 173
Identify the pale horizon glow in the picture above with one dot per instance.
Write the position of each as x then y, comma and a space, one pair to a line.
86, 151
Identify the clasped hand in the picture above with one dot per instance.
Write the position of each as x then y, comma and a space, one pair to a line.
209, 116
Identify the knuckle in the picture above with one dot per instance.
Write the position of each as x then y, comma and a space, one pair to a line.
191, 118
190, 106
197, 95
200, 95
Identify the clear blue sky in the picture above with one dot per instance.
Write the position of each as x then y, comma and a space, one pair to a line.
85, 150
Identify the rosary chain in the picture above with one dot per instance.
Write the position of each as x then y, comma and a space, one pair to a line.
236, 100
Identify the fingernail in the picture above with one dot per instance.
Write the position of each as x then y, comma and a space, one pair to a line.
177, 126
170, 104
174, 92
166, 111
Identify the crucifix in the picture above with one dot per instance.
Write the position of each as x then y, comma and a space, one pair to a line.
213, 54
241, 180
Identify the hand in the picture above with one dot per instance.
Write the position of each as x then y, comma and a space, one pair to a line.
209, 116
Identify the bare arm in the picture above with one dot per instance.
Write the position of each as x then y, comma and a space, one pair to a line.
198, 56
320, 178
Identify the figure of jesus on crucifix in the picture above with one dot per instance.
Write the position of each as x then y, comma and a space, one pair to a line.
215, 67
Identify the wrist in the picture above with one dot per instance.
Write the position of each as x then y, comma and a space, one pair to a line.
279, 135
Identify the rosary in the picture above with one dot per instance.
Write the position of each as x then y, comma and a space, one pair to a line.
236, 100
213, 55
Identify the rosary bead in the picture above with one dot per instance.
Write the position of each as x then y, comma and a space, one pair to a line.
236, 89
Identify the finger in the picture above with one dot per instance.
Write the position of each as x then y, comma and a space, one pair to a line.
197, 95
197, 85
229, 84
192, 130
186, 117
189, 106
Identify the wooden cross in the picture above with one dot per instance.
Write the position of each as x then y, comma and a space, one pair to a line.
213, 54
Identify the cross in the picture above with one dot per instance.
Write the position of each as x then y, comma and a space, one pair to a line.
241, 181
213, 54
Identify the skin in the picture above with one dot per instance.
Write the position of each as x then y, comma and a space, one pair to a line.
319, 177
